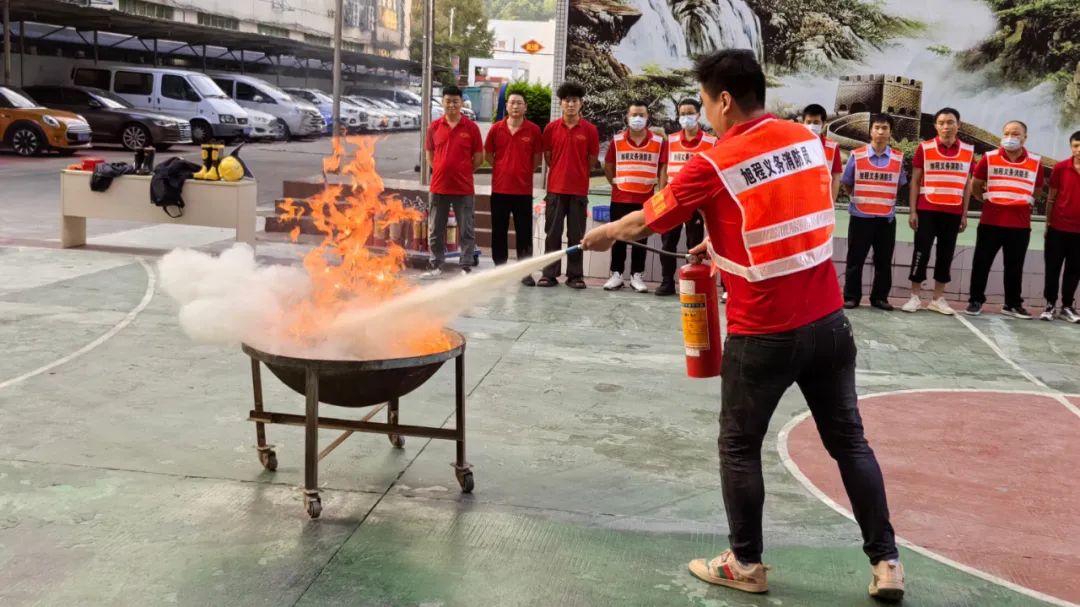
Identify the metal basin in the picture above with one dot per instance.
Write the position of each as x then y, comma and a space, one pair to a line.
359, 383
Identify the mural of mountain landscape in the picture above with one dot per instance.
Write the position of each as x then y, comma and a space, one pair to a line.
993, 60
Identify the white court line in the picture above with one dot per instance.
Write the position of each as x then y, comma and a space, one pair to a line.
1052, 393
793, 468
151, 283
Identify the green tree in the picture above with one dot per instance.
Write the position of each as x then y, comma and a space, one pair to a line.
521, 10
470, 38
537, 99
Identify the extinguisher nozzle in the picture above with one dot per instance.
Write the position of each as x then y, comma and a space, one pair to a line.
574, 249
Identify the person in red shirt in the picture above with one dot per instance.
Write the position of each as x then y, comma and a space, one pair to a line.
571, 147
1063, 235
636, 161
814, 117
765, 194
513, 149
682, 146
939, 205
454, 150
1007, 181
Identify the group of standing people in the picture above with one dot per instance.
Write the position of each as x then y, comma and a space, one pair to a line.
945, 179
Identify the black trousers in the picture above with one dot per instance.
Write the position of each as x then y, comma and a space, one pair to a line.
695, 233
944, 228
865, 233
988, 241
572, 210
1062, 249
757, 370
618, 251
502, 207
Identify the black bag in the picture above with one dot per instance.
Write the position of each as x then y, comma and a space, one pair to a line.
168, 181
104, 173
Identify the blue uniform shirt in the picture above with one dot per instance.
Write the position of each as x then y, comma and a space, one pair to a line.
879, 160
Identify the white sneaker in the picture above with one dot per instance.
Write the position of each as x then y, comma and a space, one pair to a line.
637, 283
614, 283
913, 305
431, 274
940, 306
1070, 315
1048, 314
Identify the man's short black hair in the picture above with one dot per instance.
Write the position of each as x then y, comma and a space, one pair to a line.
451, 91
690, 101
518, 93
638, 103
815, 110
1020, 122
882, 118
736, 71
570, 89
1074, 137
947, 110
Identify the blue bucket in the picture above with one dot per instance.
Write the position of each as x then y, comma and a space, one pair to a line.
601, 213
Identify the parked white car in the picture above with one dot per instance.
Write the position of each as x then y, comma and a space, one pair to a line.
266, 126
350, 115
213, 115
298, 118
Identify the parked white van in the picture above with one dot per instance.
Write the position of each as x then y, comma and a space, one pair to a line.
177, 92
299, 118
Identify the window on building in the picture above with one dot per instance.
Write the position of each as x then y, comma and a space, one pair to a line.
320, 40
270, 30
145, 9
177, 87
133, 83
221, 21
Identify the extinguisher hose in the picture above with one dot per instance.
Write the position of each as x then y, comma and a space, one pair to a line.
653, 249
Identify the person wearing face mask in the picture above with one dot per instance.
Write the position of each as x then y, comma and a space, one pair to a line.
635, 163
814, 116
940, 181
682, 146
873, 176
571, 147
1007, 180
1063, 235
764, 191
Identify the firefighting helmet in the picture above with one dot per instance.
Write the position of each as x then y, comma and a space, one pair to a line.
230, 169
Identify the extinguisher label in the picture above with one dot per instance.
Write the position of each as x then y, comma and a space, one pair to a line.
695, 321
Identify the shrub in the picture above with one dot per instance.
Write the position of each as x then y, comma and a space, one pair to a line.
538, 98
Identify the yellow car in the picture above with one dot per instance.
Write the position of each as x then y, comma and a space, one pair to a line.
29, 129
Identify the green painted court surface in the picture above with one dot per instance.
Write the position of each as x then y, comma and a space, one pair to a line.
128, 474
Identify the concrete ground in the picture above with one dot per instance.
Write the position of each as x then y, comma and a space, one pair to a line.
128, 474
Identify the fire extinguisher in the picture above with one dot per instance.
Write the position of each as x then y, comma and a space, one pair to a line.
451, 232
700, 320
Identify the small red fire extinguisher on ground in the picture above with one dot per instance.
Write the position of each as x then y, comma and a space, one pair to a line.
451, 232
700, 320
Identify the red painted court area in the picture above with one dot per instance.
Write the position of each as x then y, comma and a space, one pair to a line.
987, 479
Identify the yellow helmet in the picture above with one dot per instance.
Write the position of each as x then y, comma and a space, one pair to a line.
231, 169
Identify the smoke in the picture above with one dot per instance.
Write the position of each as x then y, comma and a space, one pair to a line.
231, 299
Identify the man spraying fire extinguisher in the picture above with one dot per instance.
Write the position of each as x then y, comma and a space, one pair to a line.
764, 191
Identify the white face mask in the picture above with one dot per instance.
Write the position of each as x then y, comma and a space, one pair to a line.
1011, 143
638, 122
688, 122
814, 128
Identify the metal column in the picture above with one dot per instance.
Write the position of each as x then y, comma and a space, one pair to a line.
562, 16
22, 52
338, 18
241, 61
426, 77
95, 48
7, 42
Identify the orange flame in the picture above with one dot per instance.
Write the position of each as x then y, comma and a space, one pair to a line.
344, 272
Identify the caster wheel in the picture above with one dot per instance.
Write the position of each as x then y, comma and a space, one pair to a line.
465, 479
268, 459
313, 505
397, 441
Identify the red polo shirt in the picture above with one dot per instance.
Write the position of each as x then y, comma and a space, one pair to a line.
1065, 214
769, 306
618, 195
1006, 215
570, 149
512, 172
836, 167
454, 146
917, 163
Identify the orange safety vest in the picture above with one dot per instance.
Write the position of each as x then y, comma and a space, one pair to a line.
876, 187
777, 175
831, 150
637, 169
1011, 183
679, 153
944, 177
